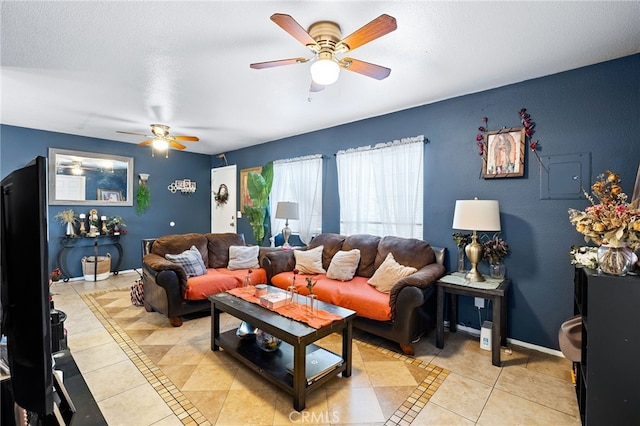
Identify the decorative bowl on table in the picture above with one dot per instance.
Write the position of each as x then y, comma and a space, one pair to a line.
267, 342
246, 331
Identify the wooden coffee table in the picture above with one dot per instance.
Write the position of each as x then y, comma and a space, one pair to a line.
297, 341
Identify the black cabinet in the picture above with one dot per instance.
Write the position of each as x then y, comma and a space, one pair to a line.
608, 376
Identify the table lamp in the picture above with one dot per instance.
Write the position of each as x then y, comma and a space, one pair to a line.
286, 210
476, 215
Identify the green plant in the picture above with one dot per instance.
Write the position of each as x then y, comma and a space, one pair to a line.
259, 187
143, 196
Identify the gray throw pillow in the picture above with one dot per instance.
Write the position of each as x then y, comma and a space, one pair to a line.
190, 260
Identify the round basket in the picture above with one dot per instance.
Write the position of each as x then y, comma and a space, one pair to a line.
96, 268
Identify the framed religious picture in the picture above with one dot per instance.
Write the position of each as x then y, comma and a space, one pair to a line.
245, 200
503, 155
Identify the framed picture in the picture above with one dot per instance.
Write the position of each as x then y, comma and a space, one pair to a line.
109, 194
245, 200
503, 155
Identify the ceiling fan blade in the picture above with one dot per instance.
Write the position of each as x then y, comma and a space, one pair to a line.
130, 133
365, 68
380, 26
315, 87
187, 138
145, 143
290, 25
278, 63
176, 145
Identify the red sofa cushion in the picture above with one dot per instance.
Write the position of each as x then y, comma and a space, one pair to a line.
356, 294
218, 280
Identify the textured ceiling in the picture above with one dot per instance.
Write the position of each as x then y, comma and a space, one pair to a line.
91, 68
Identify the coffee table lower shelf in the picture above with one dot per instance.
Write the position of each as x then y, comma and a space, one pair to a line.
272, 365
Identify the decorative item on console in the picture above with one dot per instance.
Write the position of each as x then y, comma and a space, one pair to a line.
494, 252
67, 217
185, 186
584, 256
476, 215
116, 225
612, 223
94, 223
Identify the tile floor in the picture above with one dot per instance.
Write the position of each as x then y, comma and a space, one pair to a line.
141, 371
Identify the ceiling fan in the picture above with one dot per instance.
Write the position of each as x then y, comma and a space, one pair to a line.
160, 138
324, 39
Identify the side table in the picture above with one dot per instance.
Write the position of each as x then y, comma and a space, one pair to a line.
455, 285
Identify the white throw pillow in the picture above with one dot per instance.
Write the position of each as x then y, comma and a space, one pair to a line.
388, 273
343, 265
309, 261
243, 257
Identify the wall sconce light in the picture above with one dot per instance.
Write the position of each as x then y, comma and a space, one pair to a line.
186, 186
144, 177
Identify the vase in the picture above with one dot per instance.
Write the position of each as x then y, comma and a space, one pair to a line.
615, 260
460, 259
70, 230
497, 270
267, 342
312, 304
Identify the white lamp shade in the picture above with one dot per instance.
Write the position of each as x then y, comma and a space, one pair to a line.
287, 210
325, 71
477, 215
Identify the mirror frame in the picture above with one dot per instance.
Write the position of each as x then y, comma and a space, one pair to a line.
53, 199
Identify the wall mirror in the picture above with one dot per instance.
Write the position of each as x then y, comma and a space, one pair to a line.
88, 178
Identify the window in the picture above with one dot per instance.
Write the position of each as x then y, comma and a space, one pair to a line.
298, 180
380, 189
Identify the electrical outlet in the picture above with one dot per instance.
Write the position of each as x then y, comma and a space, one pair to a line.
479, 302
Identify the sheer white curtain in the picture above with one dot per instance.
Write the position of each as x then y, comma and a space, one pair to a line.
380, 188
298, 180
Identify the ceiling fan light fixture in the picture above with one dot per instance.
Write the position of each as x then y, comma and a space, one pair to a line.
325, 71
160, 144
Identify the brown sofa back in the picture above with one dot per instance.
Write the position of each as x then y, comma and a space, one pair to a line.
218, 248
175, 244
374, 250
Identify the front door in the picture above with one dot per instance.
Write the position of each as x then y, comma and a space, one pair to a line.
223, 212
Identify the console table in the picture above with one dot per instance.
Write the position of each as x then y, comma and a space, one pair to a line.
69, 243
455, 285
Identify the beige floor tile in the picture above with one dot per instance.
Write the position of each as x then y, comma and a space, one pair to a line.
550, 365
96, 357
355, 405
468, 363
88, 339
243, 407
392, 397
315, 411
111, 380
208, 402
433, 414
546, 390
462, 395
140, 405
378, 372
214, 377
504, 408
178, 374
181, 354
171, 420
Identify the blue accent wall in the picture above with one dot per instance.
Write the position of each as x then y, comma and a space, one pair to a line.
591, 110
191, 213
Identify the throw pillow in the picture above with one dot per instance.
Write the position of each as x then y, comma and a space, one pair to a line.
388, 273
309, 261
190, 260
243, 257
343, 265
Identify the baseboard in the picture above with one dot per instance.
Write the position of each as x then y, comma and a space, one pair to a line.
527, 345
